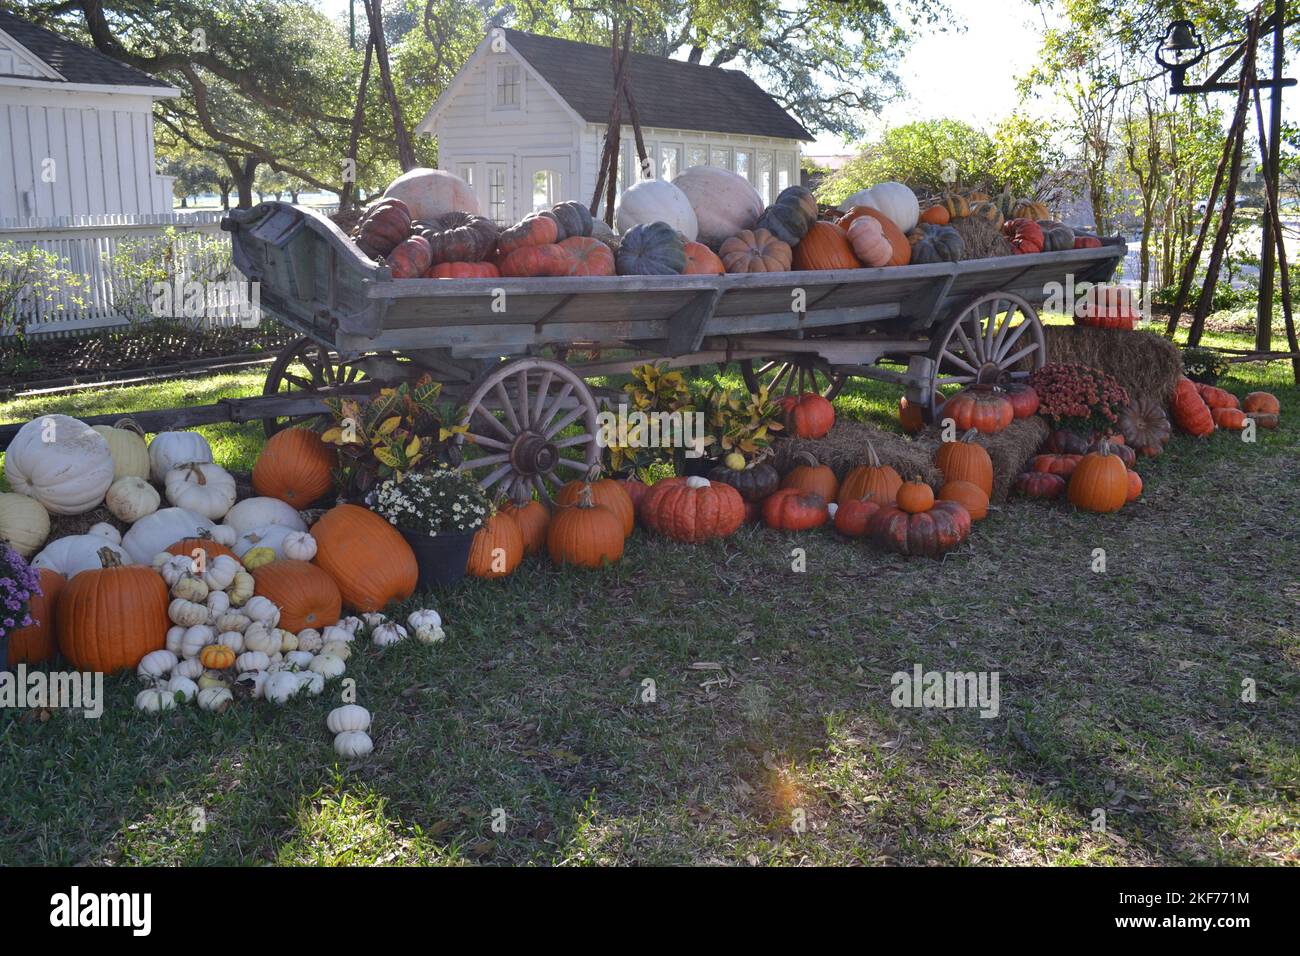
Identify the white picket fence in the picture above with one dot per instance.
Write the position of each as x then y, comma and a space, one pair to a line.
101, 250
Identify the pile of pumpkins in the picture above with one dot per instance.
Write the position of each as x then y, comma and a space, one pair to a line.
705, 221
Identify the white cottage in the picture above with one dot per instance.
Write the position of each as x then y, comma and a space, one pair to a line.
76, 129
524, 123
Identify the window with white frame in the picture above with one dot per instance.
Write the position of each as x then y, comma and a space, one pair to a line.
697, 155
670, 161
509, 95
546, 189
498, 194
720, 156
744, 163
763, 180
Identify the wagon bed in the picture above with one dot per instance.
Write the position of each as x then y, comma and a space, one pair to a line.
935, 325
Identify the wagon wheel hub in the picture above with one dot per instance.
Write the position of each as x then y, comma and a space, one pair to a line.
533, 454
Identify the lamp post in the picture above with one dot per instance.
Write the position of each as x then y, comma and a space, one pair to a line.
1180, 49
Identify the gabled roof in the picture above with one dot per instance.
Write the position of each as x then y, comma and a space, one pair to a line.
671, 94
72, 61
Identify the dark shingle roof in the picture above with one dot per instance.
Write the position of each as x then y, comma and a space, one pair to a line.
670, 94
74, 62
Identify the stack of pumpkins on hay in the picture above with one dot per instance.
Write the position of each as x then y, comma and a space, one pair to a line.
706, 221
209, 597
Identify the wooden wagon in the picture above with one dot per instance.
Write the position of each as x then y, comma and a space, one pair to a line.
517, 351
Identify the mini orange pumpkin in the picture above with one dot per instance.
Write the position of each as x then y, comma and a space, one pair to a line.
808, 415
701, 260
915, 496
1134, 486
935, 215
217, 657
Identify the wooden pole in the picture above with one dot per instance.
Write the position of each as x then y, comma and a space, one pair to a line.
1271, 161
354, 138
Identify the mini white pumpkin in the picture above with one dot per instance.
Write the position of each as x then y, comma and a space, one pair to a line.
336, 634
61, 462
76, 553
231, 639
328, 666
297, 660
259, 637
218, 603
388, 634
126, 444
224, 534
220, 573
312, 682
255, 681
196, 638
130, 498
172, 567
206, 489
351, 623
183, 687
24, 523
190, 588
373, 619
175, 635
260, 512
241, 589
215, 699
169, 450
288, 641
337, 649
153, 700
233, 621
656, 200
348, 717
156, 665
298, 545
262, 609
186, 613
192, 668
353, 745
309, 639
160, 530
281, 686
252, 661
426, 625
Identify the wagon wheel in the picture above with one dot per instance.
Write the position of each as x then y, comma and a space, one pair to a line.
985, 342
516, 417
793, 374
304, 366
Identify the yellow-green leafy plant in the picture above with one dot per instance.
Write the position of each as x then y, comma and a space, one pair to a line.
741, 423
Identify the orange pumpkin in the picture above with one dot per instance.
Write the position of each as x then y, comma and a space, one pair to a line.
1190, 412
36, 642
872, 480
902, 248
306, 595
463, 270
498, 547
108, 618
824, 246
969, 495
813, 477
984, 407
1134, 486
189, 548
584, 256
911, 415
366, 556
964, 460
1217, 397
1230, 419
587, 534
1264, 408
915, 497
1099, 482
533, 520
531, 231
853, 518
217, 657
692, 509
295, 466
702, 261
607, 492
935, 215
807, 415
791, 509
543, 260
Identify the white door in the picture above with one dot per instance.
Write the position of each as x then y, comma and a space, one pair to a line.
544, 181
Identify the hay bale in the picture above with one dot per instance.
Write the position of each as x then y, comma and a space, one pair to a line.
1010, 450
845, 447
982, 239
1146, 364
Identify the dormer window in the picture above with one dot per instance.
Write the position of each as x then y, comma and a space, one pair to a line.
507, 87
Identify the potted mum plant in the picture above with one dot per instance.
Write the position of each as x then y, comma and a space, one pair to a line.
437, 512
19, 583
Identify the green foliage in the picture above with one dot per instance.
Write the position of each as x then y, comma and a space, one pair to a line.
1203, 365
928, 155
31, 276
741, 422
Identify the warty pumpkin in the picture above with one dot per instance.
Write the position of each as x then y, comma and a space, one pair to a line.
651, 249
497, 549
813, 477
755, 251
930, 533
792, 509
306, 595
692, 509
108, 618
36, 642
533, 519
605, 491
365, 555
791, 215
1099, 482
1024, 235
966, 460
585, 534
931, 243
824, 246
872, 480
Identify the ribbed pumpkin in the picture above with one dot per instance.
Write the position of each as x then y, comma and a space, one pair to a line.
1229, 419
1055, 463
108, 618
306, 595
365, 555
825, 246
607, 492
217, 657
294, 466
754, 482
702, 261
498, 547
585, 534
853, 518
812, 476
1264, 408
1039, 484
755, 250
964, 460
1190, 413
1099, 482
930, 533
902, 249
533, 519
982, 407
969, 495
126, 443
874, 480
188, 546
791, 509
692, 509
36, 642
1217, 397
807, 415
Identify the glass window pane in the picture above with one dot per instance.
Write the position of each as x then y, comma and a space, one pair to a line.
720, 156
697, 156
764, 181
743, 163
508, 85
497, 195
670, 161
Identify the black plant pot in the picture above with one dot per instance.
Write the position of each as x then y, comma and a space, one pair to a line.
694, 467
442, 558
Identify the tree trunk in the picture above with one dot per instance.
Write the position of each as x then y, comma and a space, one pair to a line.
224, 186
243, 174
405, 151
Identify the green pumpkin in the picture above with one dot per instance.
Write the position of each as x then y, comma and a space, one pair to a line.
574, 217
754, 483
1056, 235
791, 216
931, 243
651, 249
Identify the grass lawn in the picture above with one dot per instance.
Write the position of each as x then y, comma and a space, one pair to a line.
1120, 691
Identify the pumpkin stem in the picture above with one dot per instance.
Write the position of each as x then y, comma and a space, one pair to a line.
807, 458
872, 458
585, 499
593, 473
197, 472
969, 435
129, 424
108, 558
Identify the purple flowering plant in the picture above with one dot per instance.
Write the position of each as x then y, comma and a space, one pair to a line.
19, 583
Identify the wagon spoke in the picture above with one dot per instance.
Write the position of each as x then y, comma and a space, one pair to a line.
954, 380
969, 349
484, 442
504, 398
472, 464
990, 327
1010, 342
767, 368
574, 440
1023, 353
492, 420
297, 380
493, 478
580, 466
959, 362
565, 422
1003, 327
548, 416
523, 398
542, 391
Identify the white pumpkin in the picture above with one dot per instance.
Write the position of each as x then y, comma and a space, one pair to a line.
388, 634
153, 700
897, 202
656, 200
215, 699
310, 640
252, 661
724, 202
126, 444
281, 686
297, 660
170, 450
24, 522
351, 624
130, 498
328, 666
192, 668
298, 546
337, 649
196, 638
218, 603
76, 553
155, 665
207, 489
429, 193
253, 680
353, 745
191, 588
61, 462
262, 610
160, 530
182, 687
231, 639
374, 619
259, 637
106, 531
336, 634
241, 589
233, 621
255, 513
349, 717
220, 573
186, 613
224, 534
175, 634
312, 682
